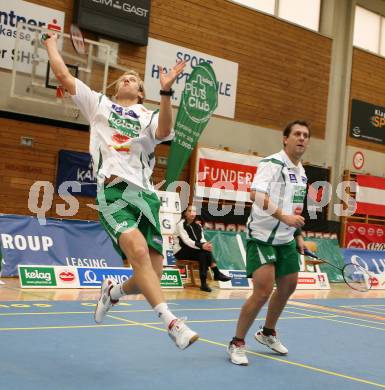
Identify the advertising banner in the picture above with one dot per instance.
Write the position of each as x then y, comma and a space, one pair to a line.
171, 278
93, 277
372, 261
11, 12
313, 281
367, 122
167, 54
238, 280
78, 277
76, 167
224, 175
365, 236
199, 100
60, 242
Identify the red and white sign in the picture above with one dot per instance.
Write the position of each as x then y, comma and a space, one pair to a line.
365, 236
224, 175
370, 195
358, 160
378, 282
313, 281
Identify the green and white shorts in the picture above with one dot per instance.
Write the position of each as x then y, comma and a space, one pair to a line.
123, 206
285, 257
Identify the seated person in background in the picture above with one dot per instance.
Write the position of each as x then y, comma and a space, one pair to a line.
190, 244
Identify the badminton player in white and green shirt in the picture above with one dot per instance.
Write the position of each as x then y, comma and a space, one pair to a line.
274, 239
123, 137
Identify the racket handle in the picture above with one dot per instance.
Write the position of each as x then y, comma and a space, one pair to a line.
309, 253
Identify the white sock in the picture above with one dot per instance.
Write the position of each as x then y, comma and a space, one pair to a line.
164, 313
117, 292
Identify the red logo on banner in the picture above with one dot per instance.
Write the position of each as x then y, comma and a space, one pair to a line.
66, 276
365, 236
221, 174
362, 230
374, 281
351, 229
356, 243
306, 280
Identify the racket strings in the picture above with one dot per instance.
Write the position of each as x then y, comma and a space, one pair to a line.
356, 277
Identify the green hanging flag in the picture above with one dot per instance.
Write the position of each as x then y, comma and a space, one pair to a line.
199, 101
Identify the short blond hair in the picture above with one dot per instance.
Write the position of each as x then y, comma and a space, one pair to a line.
140, 82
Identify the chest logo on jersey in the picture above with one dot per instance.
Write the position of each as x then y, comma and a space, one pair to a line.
304, 179
127, 126
122, 112
293, 178
299, 194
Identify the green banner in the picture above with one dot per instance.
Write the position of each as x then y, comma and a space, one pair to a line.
199, 101
37, 276
329, 250
226, 248
171, 279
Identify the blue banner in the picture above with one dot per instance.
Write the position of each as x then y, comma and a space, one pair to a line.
373, 261
93, 277
238, 279
76, 166
60, 242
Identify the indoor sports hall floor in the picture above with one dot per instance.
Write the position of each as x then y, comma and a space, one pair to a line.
48, 340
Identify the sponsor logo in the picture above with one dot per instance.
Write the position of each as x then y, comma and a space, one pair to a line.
120, 138
306, 280
11, 19
119, 110
376, 246
37, 276
120, 225
157, 239
67, 276
362, 230
293, 178
298, 210
356, 132
379, 232
374, 281
304, 179
171, 278
22, 243
90, 277
129, 127
351, 229
95, 276
371, 231
125, 7
356, 243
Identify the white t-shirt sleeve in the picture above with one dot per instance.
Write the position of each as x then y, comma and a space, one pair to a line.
153, 127
266, 174
183, 235
86, 99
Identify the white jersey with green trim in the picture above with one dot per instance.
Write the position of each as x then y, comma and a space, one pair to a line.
285, 184
122, 139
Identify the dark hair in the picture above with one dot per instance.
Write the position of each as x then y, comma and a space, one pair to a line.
289, 126
185, 210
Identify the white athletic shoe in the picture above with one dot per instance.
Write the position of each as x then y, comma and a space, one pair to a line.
105, 302
237, 354
272, 342
181, 334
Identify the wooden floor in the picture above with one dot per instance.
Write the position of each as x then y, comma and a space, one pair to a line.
11, 291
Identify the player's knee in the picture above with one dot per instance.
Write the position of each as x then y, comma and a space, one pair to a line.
139, 253
262, 293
